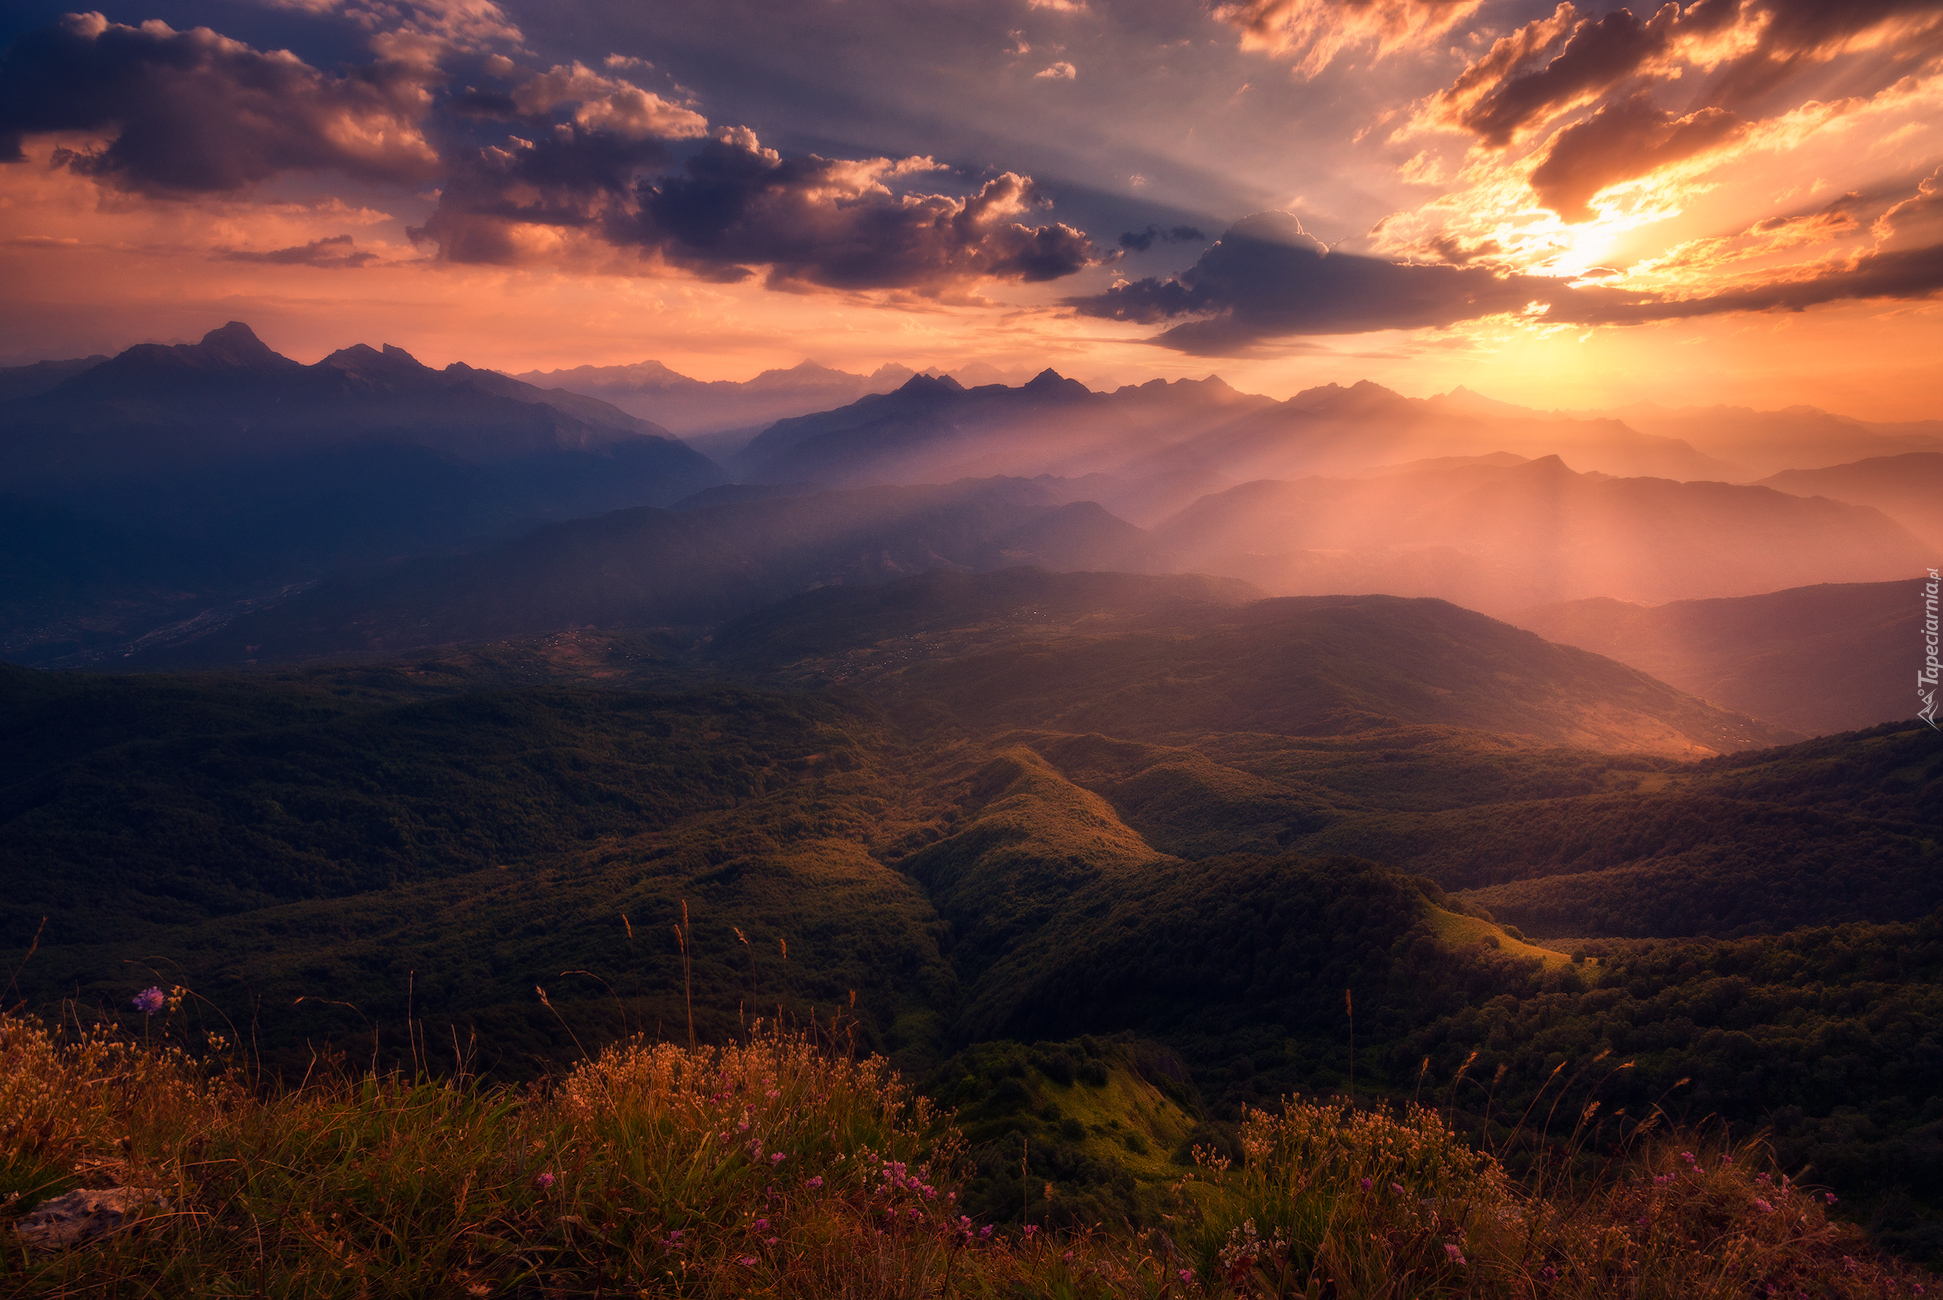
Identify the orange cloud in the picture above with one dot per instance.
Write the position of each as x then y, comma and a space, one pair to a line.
1621, 142
1316, 32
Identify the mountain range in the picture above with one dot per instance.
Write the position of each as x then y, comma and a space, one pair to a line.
250, 474
217, 503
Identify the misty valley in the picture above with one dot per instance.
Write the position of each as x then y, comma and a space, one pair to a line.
1116, 764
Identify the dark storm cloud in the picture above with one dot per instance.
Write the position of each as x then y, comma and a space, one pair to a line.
1268, 279
1555, 63
1895, 274
1139, 241
1594, 57
734, 206
338, 252
1562, 62
1619, 142
196, 112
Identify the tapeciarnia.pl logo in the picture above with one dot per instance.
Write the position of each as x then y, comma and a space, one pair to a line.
1926, 676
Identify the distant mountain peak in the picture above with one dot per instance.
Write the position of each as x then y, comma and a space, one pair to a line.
369, 362
1046, 378
236, 342
929, 384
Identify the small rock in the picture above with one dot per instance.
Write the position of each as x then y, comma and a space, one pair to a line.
81, 1217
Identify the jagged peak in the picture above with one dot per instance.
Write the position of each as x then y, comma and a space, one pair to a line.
363, 359
236, 344
922, 383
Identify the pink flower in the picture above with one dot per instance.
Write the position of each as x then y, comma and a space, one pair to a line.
1397, 1188
1455, 1255
1186, 1275
747, 1261
985, 1231
1031, 1228
1763, 1206
1829, 1197
543, 1182
814, 1183
149, 1000
762, 1225
1366, 1184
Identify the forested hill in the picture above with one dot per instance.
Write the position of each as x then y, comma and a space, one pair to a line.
1189, 815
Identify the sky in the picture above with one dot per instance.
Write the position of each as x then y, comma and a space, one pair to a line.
1735, 201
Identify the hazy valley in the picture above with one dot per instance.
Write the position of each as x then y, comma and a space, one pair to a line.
363, 698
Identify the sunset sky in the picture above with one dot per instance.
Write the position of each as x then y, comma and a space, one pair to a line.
1738, 201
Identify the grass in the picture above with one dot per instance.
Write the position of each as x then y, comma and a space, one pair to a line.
1456, 929
783, 1165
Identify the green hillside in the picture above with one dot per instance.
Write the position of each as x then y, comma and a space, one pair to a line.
1024, 808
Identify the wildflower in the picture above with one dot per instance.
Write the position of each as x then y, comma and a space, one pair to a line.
769, 1241
1829, 1197
1549, 1273
1726, 1159
814, 1183
149, 1000
1186, 1275
1031, 1228
762, 1225
1455, 1255
1068, 1257
543, 1182
1763, 1206
1645, 1222
1688, 1157
1397, 1188
776, 1157
747, 1261
1366, 1184
985, 1231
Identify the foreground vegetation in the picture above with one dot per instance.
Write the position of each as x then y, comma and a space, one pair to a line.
781, 1165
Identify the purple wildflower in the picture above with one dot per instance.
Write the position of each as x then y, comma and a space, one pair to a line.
985, 1231
1829, 1197
1031, 1228
814, 1183
762, 1225
543, 1182
1763, 1206
1366, 1184
1397, 1188
747, 1261
149, 1000
776, 1157
1455, 1255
